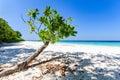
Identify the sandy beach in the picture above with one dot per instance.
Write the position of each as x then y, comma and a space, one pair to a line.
62, 61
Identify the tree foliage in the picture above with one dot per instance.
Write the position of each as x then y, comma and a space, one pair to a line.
51, 26
7, 34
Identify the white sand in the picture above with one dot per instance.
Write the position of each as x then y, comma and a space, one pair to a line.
84, 62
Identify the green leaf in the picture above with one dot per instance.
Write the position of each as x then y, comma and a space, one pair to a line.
69, 19
54, 28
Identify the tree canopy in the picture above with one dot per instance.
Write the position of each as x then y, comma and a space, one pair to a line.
7, 34
51, 26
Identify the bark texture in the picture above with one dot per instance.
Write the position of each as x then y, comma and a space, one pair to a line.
24, 64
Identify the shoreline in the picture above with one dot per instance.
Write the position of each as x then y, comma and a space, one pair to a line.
61, 47
88, 42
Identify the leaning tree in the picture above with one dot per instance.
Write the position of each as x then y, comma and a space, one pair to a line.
50, 27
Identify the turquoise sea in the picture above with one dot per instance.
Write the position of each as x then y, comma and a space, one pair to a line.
92, 42
97, 43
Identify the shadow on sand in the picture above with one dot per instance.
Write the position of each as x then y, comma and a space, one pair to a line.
18, 54
6, 55
96, 73
11, 44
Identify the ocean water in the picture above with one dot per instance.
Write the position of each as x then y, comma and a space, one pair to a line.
97, 43
89, 42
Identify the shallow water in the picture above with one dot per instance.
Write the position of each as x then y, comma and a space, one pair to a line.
97, 43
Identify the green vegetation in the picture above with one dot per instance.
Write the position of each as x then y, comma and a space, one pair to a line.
7, 34
52, 26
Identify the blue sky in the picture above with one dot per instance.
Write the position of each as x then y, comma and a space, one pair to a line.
96, 19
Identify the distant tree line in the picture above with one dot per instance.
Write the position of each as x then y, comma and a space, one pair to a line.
7, 34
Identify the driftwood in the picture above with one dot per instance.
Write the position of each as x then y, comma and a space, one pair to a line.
24, 64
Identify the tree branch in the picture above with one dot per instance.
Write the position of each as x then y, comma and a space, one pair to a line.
39, 27
36, 32
23, 19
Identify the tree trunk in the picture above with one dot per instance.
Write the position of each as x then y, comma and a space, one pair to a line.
24, 64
